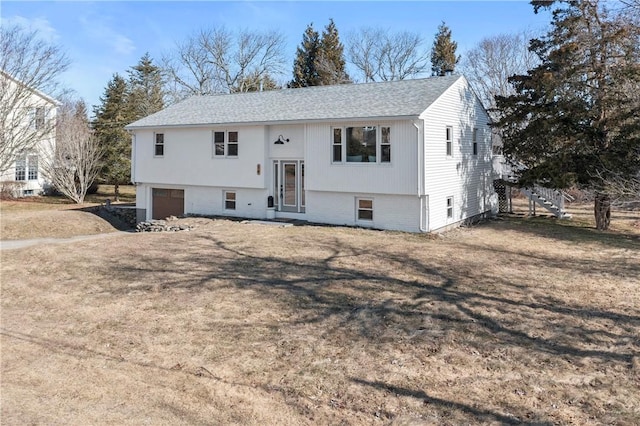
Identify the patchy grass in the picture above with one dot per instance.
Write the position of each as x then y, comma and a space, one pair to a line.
513, 321
56, 216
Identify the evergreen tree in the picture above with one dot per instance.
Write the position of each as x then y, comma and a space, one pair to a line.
304, 66
111, 116
330, 62
443, 52
145, 88
573, 119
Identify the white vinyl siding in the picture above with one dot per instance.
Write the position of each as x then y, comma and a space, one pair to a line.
397, 177
464, 176
193, 164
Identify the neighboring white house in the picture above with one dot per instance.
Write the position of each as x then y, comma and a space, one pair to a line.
28, 120
411, 155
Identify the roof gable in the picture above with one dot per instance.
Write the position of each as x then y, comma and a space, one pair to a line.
405, 98
31, 89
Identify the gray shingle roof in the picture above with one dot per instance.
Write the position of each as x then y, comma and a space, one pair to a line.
347, 101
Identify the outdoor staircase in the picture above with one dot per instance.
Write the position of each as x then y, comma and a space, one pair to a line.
550, 199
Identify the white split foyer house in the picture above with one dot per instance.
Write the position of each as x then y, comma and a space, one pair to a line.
411, 155
30, 115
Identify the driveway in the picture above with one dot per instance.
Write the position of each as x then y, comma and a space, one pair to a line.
18, 244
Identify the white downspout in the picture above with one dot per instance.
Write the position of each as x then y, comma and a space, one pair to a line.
420, 172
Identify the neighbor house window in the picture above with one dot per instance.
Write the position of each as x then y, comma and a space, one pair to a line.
225, 144
449, 141
159, 145
229, 200
337, 145
365, 208
475, 141
32, 167
21, 168
27, 167
38, 116
365, 144
449, 207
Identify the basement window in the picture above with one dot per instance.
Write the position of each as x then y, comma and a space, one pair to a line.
365, 209
229, 200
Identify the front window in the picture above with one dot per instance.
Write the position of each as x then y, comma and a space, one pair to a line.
365, 144
365, 209
232, 146
337, 145
361, 144
225, 144
159, 145
229, 200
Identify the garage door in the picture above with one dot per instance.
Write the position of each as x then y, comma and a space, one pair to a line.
167, 202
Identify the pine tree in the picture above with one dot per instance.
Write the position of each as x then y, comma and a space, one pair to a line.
572, 120
443, 52
304, 66
330, 62
112, 115
145, 88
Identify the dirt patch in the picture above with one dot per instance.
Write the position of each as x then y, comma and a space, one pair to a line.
513, 321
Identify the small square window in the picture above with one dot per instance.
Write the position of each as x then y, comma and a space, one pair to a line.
449, 207
159, 145
229, 200
365, 209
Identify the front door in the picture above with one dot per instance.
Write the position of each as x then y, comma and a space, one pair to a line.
289, 185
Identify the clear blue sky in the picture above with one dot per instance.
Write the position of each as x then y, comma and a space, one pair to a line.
106, 37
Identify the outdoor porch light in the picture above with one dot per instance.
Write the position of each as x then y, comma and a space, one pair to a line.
281, 140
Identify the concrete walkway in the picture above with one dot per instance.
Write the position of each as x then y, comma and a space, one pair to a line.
18, 244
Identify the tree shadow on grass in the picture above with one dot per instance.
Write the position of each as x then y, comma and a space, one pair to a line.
475, 414
364, 292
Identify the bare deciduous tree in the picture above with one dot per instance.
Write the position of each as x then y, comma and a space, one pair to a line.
220, 61
29, 68
381, 55
488, 66
73, 163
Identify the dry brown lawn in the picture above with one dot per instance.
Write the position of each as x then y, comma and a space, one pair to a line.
523, 321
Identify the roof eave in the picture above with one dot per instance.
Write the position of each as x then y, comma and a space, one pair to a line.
276, 122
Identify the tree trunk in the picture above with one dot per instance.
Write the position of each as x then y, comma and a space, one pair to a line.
116, 192
602, 211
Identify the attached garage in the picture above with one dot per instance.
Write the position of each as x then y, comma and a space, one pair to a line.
167, 202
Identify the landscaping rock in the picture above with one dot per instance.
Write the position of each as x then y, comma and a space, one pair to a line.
161, 226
